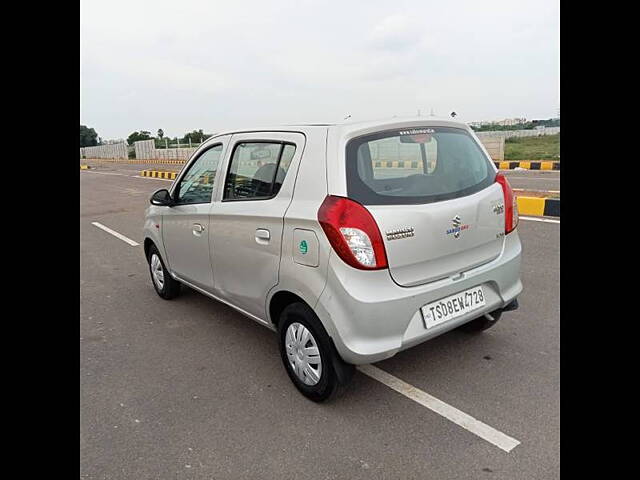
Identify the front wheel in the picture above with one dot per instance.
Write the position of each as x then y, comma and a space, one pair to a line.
163, 283
308, 355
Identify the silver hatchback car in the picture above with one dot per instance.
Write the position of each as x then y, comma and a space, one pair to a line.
352, 241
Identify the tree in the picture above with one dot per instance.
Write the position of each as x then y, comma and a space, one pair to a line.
160, 133
137, 136
88, 137
197, 136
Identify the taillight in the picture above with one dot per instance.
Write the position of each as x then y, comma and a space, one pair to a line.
353, 233
510, 204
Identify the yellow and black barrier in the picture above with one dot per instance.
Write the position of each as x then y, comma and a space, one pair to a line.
84, 167
529, 165
158, 174
539, 206
165, 162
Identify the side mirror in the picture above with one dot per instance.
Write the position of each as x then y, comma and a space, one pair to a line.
162, 198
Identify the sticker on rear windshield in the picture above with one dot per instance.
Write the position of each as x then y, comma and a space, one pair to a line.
416, 135
417, 131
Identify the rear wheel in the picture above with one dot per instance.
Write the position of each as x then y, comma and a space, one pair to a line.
308, 355
163, 283
482, 323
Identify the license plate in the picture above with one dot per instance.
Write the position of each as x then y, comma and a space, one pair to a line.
453, 306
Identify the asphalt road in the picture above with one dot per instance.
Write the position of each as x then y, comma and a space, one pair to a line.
534, 179
191, 389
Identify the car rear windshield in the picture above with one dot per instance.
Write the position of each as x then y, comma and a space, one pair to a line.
415, 165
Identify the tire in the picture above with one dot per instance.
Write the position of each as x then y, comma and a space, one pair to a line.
321, 380
164, 284
482, 323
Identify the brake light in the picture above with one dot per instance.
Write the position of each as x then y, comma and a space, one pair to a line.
510, 204
353, 233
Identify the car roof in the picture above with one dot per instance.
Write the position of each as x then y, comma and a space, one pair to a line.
346, 128
272, 128
362, 127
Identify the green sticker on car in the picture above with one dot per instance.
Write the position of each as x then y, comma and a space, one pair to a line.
303, 247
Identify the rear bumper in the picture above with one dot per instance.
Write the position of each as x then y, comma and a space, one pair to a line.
370, 317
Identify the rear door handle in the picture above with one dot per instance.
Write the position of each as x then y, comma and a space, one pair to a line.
197, 229
263, 236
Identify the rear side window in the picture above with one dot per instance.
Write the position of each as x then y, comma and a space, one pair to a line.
415, 165
257, 170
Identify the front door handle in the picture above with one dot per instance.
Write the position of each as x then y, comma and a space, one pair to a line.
263, 236
197, 229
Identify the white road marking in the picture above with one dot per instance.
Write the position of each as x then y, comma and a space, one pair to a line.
115, 234
534, 219
458, 417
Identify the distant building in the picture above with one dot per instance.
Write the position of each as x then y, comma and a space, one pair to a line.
503, 123
511, 121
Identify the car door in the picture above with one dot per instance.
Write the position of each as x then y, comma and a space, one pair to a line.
185, 225
246, 225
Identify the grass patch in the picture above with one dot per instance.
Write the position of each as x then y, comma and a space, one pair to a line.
545, 147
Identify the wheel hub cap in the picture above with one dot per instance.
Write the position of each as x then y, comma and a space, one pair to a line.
157, 273
303, 354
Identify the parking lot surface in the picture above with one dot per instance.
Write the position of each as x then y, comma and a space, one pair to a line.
534, 179
191, 389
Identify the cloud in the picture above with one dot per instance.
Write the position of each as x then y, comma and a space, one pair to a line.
395, 32
211, 65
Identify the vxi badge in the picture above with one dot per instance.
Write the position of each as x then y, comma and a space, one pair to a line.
398, 233
458, 227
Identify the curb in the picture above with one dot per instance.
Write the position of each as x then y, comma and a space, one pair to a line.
539, 207
158, 174
529, 165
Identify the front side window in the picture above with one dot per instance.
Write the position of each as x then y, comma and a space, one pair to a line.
415, 165
257, 170
196, 186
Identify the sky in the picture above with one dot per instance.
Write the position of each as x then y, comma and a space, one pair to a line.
217, 65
